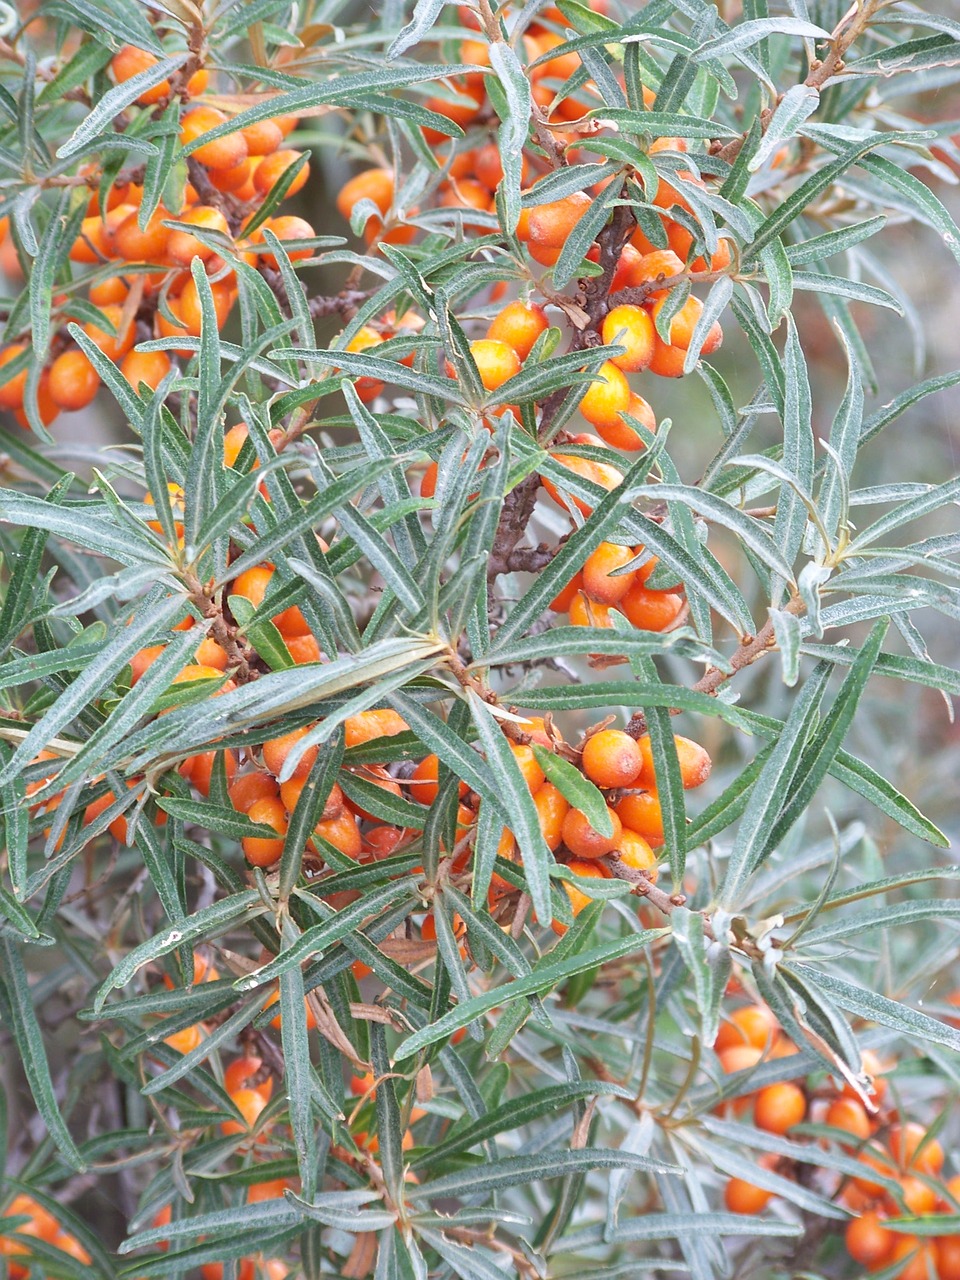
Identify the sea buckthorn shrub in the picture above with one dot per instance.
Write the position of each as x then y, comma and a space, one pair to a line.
470, 744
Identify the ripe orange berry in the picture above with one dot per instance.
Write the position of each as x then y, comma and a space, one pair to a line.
148, 245
287, 228
667, 361
12, 388
586, 612
262, 138
739, 1057
552, 808
198, 768
253, 585
779, 1107
642, 813
241, 1071
276, 750
342, 832
599, 473
849, 1115
947, 1250
599, 567
113, 346
250, 788
550, 225
381, 722
917, 1255
611, 758
919, 1197
564, 598
532, 773
635, 852
583, 840
150, 367
73, 380
905, 1142
182, 247
519, 325
578, 899
685, 321
754, 1025
743, 1197
694, 761
651, 610
630, 327
606, 397
222, 153
130, 61
250, 1103
868, 1241
260, 850
375, 185
495, 361
423, 784
272, 168
681, 242
185, 1041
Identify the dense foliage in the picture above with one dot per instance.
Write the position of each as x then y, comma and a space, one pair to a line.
439, 839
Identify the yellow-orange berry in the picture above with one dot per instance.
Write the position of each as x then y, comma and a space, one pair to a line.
606, 397
583, 840
633, 328
519, 325
599, 568
495, 361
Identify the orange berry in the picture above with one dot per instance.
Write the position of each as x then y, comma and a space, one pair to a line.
146, 245
655, 266
918, 1197
606, 397
375, 185
262, 138
600, 473
667, 361
620, 435
113, 347
198, 769
130, 61
12, 389
251, 787
73, 380
564, 598
779, 1107
868, 1241
496, 362
586, 612
222, 153
598, 570
578, 899
287, 228
694, 761
182, 247
642, 813
630, 327
342, 832
272, 168
583, 840
381, 722
918, 1257
635, 852
150, 367
303, 649
253, 584
611, 758
519, 325
849, 1115
552, 808
754, 1025
241, 1071
550, 224
250, 1104
910, 1150
185, 1041
947, 1250
532, 773
743, 1197
260, 850
651, 610
423, 784
276, 750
